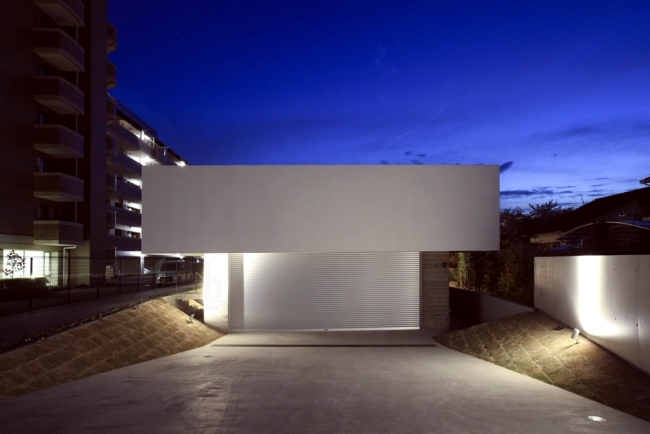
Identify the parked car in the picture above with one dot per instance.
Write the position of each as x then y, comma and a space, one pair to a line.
112, 272
175, 272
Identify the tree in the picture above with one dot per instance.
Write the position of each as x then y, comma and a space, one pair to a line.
544, 213
509, 272
15, 263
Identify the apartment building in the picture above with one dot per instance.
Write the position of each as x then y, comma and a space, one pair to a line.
72, 156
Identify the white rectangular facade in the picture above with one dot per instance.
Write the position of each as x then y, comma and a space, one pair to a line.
259, 209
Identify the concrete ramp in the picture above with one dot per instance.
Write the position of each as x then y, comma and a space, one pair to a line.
383, 338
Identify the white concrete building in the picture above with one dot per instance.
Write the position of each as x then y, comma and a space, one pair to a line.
322, 247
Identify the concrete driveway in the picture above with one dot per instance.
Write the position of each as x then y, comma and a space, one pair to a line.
306, 383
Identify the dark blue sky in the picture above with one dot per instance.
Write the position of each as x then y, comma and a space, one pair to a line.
558, 92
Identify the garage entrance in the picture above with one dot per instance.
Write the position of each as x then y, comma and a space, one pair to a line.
325, 291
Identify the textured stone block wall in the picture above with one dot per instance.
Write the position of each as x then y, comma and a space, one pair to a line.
434, 290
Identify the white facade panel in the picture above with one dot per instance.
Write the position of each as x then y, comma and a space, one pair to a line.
239, 209
333, 291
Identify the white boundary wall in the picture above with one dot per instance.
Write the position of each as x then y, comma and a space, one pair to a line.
258, 209
606, 297
495, 308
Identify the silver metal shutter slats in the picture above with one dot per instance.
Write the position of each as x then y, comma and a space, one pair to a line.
334, 291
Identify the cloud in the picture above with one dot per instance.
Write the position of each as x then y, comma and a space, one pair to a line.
505, 166
407, 153
381, 53
527, 193
616, 128
416, 162
569, 133
384, 162
420, 155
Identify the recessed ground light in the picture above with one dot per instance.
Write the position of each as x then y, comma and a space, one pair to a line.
597, 419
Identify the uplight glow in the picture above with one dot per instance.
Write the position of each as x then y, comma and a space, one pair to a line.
215, 290
592, 309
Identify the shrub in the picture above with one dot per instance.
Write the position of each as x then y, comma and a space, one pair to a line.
24, 284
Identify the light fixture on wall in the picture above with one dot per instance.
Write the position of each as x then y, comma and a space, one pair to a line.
575, 334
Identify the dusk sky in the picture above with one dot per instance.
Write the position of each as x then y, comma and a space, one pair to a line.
555, 92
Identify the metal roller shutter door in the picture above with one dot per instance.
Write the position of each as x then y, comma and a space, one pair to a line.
334, 291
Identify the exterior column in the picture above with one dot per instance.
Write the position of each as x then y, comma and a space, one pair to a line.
434, 290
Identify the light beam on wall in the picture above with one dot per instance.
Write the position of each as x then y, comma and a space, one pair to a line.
215, 290
593, 311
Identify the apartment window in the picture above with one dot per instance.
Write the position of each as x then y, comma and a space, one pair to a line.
43, 118
46, 165
46, 212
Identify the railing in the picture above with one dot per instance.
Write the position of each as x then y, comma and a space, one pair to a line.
57, 233
69, 280
111, 38
58, 186
123, 135
58, 141
123, 188
59, 95
125, 216
111, 75
139, 122
59, 49
125, 164
63, 12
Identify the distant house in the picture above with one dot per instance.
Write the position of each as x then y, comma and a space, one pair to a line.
617, 224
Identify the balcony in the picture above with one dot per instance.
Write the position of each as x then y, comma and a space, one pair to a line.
123, 188
111, 179
145, 151
124, 137
124, 243
111, 38
111, 109
111, 75
111, 219
128, 190
125, 166
66, 13
58, 95
58, 141
57, 233
111, 147
58, 49
59, 187
163, 158
126, 217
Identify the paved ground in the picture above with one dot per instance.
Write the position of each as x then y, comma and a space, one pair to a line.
356, 387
